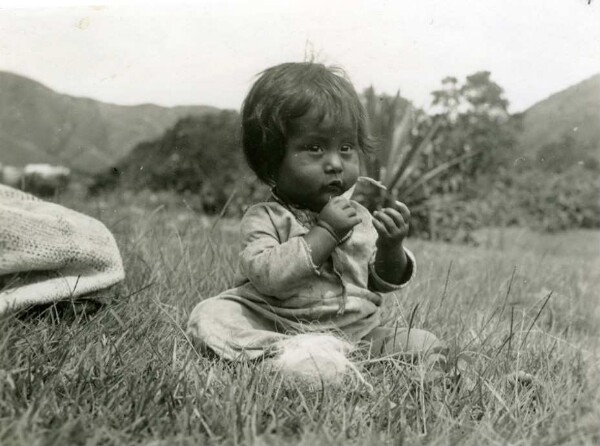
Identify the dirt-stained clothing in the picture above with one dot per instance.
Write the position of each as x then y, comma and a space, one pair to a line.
279, 291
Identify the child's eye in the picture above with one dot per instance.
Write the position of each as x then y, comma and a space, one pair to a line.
313, 148
347, 148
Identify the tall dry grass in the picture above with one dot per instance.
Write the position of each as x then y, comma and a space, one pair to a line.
522, 311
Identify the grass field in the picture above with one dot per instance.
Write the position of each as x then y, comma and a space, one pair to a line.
127, 374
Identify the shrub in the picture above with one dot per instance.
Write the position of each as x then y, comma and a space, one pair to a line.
534, 198
559, 202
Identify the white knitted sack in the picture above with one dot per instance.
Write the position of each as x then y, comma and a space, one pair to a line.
311, 361
49, 252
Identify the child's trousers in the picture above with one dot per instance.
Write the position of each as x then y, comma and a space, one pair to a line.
235, 332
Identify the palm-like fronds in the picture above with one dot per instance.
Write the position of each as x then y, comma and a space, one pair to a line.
396, 165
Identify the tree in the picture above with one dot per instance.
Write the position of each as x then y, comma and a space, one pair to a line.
474, 119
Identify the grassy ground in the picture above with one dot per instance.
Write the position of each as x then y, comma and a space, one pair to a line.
127, 373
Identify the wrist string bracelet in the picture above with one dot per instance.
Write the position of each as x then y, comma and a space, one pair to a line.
328, 228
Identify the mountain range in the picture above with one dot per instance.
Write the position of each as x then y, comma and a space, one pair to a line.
39, 125
574, 111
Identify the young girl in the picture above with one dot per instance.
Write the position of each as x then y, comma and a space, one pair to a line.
312, 260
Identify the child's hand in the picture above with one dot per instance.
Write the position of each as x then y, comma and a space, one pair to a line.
340, 216
392, 223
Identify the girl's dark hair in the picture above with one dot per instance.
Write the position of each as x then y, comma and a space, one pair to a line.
286, 92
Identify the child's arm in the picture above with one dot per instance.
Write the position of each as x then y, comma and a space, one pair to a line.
336, 219
391, 262
277, 267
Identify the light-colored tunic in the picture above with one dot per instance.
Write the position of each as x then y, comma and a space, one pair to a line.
279, 291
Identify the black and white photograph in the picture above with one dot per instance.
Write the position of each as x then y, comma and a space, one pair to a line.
299, 222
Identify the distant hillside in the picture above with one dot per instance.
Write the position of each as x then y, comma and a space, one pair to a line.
38, 124
574, 111
200, 157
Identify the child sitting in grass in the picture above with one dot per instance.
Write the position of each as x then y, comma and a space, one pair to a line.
312, 260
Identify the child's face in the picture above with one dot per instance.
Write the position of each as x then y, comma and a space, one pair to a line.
320, 162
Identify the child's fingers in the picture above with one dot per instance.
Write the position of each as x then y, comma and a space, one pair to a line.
385, 220
395, 215
355, 220
342, 204
403, 209
380, 228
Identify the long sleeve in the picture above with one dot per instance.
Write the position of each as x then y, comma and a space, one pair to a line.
275, 265
376, 283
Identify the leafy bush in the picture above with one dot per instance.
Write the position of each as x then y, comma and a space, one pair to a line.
561, 155
534, 198
558, 202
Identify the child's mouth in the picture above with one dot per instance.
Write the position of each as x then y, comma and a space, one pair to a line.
335, 187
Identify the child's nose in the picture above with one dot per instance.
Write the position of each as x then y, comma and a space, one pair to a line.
333, 162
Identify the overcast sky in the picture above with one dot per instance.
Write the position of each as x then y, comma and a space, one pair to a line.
208, 52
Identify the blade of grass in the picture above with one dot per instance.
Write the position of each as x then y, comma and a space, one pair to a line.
410, 323
225, 207
536, 317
